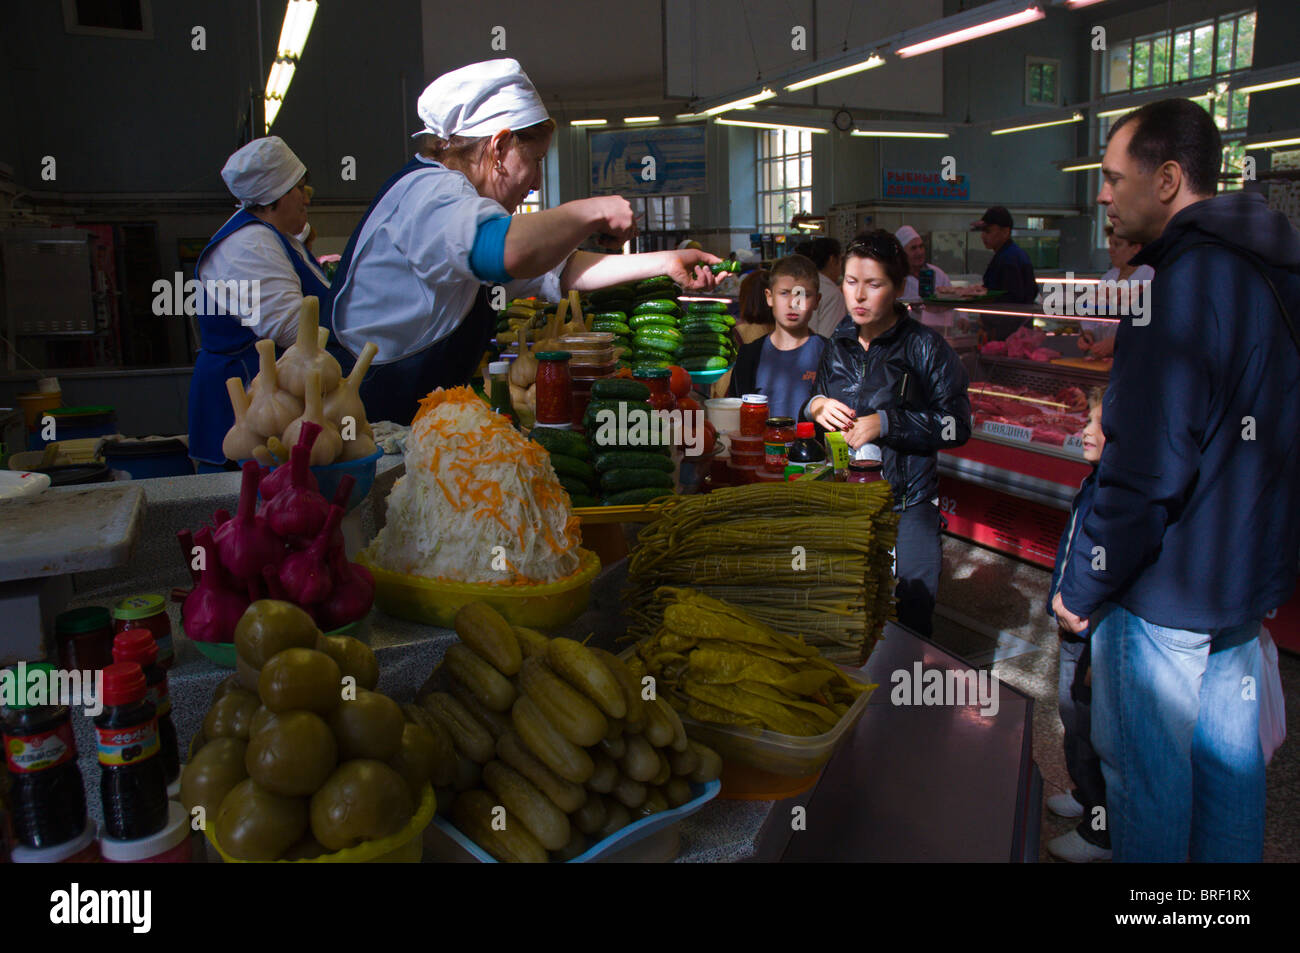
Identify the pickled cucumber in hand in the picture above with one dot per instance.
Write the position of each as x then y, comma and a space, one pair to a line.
293, 755
354, 658
369, 726
254, 824
268, 627
231, 716
211, 774
301, 679
362, 800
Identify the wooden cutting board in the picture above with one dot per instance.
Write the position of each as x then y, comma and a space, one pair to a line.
69, 529
1084, 363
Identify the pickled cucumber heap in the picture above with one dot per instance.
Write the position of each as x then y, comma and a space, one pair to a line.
476, 492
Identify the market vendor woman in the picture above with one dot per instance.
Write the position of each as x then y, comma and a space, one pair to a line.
417, 273
254, 273
897, 391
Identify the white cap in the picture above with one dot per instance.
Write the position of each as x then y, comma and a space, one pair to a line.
480, 100
906, 235
498, 367
262, 171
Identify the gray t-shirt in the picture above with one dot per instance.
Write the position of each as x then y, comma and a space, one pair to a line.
786, 377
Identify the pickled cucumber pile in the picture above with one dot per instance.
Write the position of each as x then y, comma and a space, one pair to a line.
298, 755
559, 735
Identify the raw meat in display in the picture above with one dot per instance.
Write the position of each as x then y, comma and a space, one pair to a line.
1044, 354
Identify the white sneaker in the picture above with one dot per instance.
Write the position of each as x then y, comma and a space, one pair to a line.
1073, 848
1065, 805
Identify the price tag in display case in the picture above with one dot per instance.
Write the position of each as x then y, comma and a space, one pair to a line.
1073, 444
1007, 431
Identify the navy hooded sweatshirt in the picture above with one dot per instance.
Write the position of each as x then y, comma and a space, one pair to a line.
1197, 504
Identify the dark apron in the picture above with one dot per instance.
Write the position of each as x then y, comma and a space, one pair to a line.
228, 349
393, 391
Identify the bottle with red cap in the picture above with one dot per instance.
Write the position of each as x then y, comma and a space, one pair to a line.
140, 647
806, 449
132, 780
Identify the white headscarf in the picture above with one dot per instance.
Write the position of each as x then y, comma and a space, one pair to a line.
262, 171
480, 100
906, 234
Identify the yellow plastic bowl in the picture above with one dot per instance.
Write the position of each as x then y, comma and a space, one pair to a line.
545, 606
404, 847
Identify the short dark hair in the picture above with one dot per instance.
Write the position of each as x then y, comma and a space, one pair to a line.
823, 250
801, 269
880, 245
1176, 130
804, 248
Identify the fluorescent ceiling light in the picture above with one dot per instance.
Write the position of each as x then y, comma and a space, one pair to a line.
272, 109
636, 119
587, 122
1081, 167
1274, 143
899, 134
277, 84
1077, 117
1115, 112
768, 125
809, 226
955, 34
758, 97
870, 63
1276, 84
1076, 4
298, 17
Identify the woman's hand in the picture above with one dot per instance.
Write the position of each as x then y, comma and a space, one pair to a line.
831, 414
1086, 341
864, 430
690, 269
1103, 348
612, 215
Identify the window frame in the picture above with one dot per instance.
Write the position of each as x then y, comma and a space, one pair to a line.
72, 25
764, 166
1030, 63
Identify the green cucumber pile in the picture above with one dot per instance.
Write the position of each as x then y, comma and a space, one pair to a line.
656, 330
622, 472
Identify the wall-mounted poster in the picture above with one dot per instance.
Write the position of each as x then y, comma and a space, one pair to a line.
668, 161
925, 184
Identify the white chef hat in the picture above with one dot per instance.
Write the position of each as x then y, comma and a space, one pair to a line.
906, 234
480, 100
262, 171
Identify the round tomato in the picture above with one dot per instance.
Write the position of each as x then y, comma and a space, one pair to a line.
710, 438
688, 403
680, 382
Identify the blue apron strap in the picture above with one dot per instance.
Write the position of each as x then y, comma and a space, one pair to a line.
393, 391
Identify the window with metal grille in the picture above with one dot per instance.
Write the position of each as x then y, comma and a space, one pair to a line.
662, 213
784, 170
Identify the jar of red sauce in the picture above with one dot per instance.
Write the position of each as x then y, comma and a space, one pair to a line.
85, 639
864, 471
554, 388
753, 415
777, 440
657, 379
146, 611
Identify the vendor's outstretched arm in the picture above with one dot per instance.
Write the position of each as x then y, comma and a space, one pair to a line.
538, 242
588, 271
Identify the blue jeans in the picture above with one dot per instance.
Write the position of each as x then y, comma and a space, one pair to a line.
1176, 724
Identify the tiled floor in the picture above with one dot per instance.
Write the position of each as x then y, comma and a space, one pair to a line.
992, 611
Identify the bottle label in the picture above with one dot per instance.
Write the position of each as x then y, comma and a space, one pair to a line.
776, 454
28, 754
119, 746
161, 697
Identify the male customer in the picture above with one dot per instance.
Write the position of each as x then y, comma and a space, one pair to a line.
827, 255
1195, 524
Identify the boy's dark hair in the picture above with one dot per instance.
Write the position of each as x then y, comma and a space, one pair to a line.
801, 269
880, 245
823, 250
1096, 394
1176, 130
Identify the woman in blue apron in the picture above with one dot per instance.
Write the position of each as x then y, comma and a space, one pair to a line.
417, 275
254, 275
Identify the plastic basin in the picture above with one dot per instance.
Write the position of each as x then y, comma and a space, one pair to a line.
149, 459
612, 845
404, 847
436, 602
362, 470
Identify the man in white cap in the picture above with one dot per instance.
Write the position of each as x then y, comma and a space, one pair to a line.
442, 232
256, 244
912, 243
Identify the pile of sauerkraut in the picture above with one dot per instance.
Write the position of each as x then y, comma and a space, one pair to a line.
479, 502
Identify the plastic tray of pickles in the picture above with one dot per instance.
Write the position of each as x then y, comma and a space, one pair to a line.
615, 843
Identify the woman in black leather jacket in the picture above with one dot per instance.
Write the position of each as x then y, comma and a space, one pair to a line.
888, 382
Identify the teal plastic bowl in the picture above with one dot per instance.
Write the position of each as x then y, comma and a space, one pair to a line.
362, 470
708, 377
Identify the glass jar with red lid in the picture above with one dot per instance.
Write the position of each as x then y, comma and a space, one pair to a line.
146, 611
753, 415
777, 439
657, 379
554, 388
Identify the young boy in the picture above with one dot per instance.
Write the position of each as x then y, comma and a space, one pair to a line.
1086, 842
784, 363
